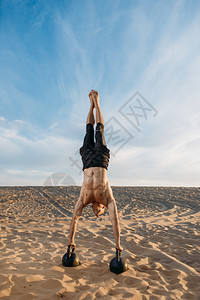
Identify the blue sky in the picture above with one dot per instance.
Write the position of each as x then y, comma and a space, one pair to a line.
53, 53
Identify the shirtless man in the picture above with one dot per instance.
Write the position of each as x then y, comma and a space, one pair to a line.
95, 188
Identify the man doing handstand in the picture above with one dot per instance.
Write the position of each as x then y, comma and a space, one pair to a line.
95, 188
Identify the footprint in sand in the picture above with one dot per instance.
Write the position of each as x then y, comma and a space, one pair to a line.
52, 284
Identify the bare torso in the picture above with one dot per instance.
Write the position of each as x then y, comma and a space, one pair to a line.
95, 186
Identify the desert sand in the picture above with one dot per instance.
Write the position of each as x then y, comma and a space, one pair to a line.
159, 234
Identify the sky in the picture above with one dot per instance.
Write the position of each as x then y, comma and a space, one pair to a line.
143, 57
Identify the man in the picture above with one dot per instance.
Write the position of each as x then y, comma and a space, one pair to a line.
95, 188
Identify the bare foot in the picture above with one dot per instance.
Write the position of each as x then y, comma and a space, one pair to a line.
91, 100
95, 97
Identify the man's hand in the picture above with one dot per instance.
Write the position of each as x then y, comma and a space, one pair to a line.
120, 248
72, 245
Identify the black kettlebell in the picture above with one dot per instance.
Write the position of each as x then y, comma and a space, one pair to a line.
118, 264
70, 259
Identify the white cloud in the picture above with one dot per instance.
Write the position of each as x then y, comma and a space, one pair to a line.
13, 172
118, 53
28, 160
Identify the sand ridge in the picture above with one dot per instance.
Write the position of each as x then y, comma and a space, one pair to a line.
159, 234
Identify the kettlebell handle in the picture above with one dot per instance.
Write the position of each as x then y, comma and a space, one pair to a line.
118, 254
68, 250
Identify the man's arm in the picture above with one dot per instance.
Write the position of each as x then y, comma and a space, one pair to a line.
76, 215
112, 209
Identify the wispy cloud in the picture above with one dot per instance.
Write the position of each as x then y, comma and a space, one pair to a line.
31, 158
53, 54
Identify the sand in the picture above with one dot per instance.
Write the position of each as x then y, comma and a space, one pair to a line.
159, 234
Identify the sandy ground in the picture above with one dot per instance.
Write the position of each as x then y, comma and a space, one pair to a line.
160, 237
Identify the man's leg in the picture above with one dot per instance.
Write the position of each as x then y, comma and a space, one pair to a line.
90, 117
99, 116
100, 140
89, 137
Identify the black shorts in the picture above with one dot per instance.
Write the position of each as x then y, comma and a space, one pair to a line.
95, 154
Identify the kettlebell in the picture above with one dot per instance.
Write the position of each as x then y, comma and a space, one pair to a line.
118, 264
70, 259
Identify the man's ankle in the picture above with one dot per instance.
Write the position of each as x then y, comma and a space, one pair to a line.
97, 106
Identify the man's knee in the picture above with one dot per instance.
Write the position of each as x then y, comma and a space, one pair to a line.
89, 128
100, 134
100, 127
